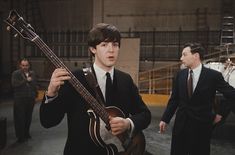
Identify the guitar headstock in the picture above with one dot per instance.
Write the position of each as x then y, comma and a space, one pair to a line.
17, 23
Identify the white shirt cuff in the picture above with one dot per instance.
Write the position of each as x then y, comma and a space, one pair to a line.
131, 128
49, 99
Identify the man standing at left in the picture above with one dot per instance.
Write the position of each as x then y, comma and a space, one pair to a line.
24, 84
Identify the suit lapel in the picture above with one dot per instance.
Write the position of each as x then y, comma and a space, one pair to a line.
116, 81
201, 79
98, 87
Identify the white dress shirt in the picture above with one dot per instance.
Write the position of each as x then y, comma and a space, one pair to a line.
101, 77
196, 75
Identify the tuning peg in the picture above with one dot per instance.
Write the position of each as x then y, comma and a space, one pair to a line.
16, 35
8, 28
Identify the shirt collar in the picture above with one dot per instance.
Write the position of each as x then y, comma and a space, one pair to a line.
197, 70
100, 72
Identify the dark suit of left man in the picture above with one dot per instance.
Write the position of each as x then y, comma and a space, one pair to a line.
25, 90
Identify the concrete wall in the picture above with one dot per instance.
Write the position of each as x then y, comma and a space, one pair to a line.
162, 14
67, 14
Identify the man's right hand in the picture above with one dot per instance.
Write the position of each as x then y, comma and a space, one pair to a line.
57, 79
217, 119
162, 127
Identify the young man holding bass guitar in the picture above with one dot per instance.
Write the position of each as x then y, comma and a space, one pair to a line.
86, 133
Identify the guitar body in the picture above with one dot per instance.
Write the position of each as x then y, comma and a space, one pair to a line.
121, 144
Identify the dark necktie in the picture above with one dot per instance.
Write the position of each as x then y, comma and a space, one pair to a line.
190, 83
108, 89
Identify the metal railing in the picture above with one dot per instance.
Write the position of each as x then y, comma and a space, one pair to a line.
159, 80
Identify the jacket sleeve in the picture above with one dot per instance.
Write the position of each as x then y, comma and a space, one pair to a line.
172, 103
223, 87
52, 113
141, 115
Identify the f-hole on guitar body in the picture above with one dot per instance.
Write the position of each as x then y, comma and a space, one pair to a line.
99, 127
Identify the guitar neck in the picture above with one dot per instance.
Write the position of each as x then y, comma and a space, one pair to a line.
93, 103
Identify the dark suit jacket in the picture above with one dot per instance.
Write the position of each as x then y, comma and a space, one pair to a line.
199, 106
71, 103
23, 88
